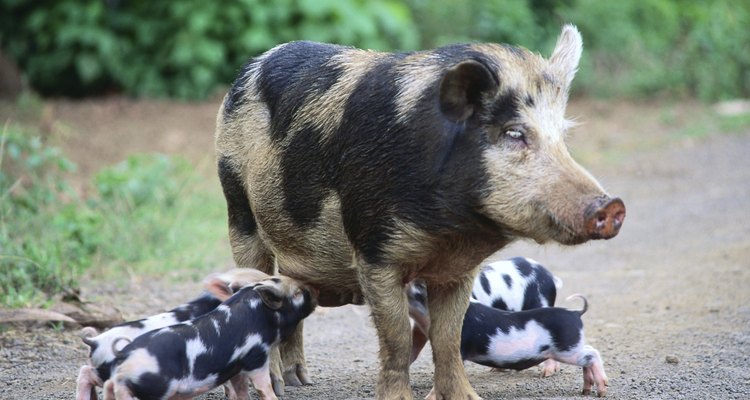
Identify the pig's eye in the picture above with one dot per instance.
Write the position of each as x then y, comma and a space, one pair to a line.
515, 134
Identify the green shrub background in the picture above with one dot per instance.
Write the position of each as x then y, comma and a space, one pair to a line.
185, 49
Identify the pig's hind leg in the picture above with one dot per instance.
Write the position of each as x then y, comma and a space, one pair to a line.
589, 359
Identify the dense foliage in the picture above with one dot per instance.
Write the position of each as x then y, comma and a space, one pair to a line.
183, 48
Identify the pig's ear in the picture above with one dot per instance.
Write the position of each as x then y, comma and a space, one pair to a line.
272, 297
218, 287
567, 54
462, 87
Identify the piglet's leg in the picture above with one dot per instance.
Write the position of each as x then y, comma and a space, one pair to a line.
261, 379
87, 380
109, 392
229, 390
239, 386
549, 367
593, 372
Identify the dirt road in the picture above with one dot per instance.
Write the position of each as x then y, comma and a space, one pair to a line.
674, 284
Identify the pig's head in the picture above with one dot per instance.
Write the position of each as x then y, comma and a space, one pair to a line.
517, 100
292, 300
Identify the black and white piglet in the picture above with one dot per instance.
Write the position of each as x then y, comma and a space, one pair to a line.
231, 343
102, 345
521, 339
514, 284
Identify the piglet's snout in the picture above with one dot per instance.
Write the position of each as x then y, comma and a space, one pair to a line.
604, 217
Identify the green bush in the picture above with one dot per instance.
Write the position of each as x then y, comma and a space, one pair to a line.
632, 48
181, 49
149, 213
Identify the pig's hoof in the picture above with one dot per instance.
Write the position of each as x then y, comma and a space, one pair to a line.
586, 392
470, 395
296, 375
278, 384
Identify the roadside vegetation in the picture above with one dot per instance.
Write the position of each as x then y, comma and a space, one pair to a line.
149, 213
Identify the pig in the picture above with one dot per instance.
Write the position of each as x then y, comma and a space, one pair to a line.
521, 339
103, 345
230, 343
359, 171
512, 285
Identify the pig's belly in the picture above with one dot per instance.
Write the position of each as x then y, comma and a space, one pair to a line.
319, 254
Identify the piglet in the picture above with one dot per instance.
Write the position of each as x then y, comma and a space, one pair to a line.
519, 340
231, 343
514, 284
103, 345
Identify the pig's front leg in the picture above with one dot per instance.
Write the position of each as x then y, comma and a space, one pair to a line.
88, 379
293, 360
276, 375
447, 304
384, 290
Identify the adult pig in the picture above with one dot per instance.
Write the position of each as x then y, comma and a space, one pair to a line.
357, 171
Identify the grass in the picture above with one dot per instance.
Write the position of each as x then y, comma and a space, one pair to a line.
150, 214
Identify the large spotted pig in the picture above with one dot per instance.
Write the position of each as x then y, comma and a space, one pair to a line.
357, 171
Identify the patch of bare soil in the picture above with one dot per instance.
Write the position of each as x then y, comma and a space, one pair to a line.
669, 297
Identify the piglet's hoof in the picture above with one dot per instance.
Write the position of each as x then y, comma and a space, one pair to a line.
296, 375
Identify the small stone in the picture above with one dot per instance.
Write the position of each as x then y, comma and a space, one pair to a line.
672, 360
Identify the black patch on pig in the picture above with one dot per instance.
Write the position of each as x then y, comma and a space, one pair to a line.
275, 280
196, 307
238, 207
523, 266
499, 304
306, 177
150, 386
546, 282
236, 96
587, 359
543, 348
289, 75
505, 108
530, 297
133, 324
508, 281
485, 283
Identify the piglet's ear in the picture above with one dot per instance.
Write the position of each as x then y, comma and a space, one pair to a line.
218, 287
462, 87
271, 296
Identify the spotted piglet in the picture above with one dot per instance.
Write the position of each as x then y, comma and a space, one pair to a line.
103, 345
519, 340
231, 343
514, 284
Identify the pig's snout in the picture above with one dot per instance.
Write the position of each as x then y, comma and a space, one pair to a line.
604, 218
